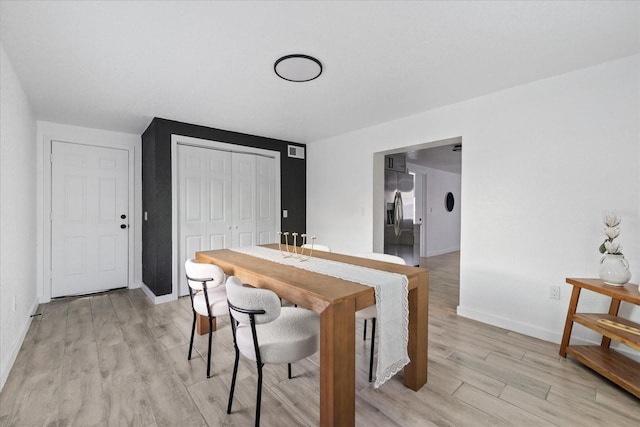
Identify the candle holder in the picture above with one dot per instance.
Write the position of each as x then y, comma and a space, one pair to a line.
286, 242
302, 256
295, 244
294, 250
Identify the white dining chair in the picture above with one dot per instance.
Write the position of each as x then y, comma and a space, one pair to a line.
265, 332
208, 297
324, 248
371, 312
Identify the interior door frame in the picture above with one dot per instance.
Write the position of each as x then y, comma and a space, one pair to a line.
47, 204
215, 145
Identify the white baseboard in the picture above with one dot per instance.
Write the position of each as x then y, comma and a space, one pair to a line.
536, 332
11, 357
501, 322
157, 299
135, 285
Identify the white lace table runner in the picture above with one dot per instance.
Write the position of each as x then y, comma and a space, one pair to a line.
392, 304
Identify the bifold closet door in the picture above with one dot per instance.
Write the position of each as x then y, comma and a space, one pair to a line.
253, 200
266, 210
204, 203
243, 201
225, 200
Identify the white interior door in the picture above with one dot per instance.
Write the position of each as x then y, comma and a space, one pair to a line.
244, 200
204, 198
89, 218
266, 226
223, 196
225, 200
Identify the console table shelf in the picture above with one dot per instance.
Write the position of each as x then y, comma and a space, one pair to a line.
607, 362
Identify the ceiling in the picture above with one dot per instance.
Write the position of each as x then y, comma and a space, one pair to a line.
116, 65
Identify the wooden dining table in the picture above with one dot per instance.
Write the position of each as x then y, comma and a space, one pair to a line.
336, 301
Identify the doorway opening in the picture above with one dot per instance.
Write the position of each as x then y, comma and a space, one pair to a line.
437, 168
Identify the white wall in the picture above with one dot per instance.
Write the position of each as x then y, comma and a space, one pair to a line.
17, 215
23, 207
541, 163
47, 131
440, 228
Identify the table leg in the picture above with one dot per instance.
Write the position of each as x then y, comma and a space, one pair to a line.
613, 310
568, 326
415, 373
202, 324
337, 365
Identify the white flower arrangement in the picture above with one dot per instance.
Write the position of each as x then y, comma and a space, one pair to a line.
611, 231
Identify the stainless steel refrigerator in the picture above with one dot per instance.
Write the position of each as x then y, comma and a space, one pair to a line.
401, 236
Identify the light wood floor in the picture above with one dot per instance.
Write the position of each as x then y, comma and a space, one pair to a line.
116, 359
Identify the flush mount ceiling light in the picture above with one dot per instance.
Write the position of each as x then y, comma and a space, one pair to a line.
298, 68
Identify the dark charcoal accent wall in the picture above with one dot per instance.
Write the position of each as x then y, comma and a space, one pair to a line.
156, 191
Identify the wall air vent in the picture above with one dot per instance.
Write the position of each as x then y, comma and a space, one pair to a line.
296, 152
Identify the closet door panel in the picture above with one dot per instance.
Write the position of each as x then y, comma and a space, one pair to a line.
204, 197
226, 199
266, 222
244, 199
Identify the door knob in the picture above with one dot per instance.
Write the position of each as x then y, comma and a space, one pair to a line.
123, 216
123, 226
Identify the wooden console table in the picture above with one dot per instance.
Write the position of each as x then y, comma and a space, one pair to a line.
607, 362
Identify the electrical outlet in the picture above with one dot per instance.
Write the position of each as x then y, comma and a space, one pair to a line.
554, 292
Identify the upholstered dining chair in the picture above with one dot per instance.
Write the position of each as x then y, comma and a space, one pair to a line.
324, 248
208, 297
371, 312
265, 332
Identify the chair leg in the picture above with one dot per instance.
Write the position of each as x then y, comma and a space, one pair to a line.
193, 330
364, 336
289, 369
259, 396
209, 352
233, 381
373, 342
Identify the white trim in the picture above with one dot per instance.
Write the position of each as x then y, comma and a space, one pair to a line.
156, 299
47, 141
501, 322
553, 336
216, 145
8, 363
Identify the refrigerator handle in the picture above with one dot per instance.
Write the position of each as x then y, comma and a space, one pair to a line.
397, 213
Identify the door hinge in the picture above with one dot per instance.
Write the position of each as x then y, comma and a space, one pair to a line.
50, 157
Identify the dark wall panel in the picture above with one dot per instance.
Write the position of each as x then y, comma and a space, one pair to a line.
156, 164
149, 227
